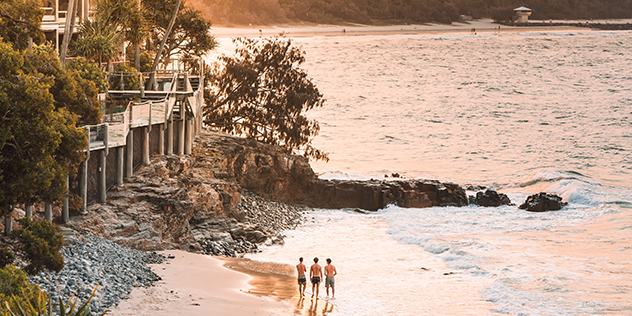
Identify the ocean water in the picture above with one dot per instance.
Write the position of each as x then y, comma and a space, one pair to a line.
519, 112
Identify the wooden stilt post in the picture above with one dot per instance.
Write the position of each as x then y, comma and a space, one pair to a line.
101, 185
170, 137
129, 155
28, 208
48, 211
8, 222
120, 165
65, 213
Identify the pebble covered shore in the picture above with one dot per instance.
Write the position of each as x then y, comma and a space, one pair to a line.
95, 261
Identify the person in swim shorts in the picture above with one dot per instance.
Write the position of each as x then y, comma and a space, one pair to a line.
302, 282
330, 273
315, 273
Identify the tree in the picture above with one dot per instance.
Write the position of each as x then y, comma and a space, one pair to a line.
190, 35
69, 89
39, 144
262, 94
97, 41
19, 20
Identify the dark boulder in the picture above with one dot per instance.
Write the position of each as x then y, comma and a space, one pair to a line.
490, 198
543, 202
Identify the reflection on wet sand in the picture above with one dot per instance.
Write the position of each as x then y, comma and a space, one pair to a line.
278, 281
313, 308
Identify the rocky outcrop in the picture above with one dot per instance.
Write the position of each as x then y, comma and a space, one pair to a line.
177, 202
201, 202
490, 198
273, 174
543, 202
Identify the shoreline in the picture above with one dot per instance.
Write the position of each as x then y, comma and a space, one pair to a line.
483, 26
195, 284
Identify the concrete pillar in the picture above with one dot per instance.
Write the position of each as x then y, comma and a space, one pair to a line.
48, 211
170, 137
188, 135
181, 129
8, 223
129, 155
28, 208
120, 165
161, 139
83, 184
65, 214
146, 145
101, 181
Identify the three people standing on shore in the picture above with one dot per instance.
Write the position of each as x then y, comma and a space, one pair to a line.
315, 276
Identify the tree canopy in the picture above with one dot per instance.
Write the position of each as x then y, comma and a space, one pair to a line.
262, 93
244, 12
19, 20
39, 143
190, 36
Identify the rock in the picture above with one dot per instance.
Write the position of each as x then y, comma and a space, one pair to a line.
490, 198
543, 202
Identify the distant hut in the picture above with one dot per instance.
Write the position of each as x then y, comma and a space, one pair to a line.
522, 14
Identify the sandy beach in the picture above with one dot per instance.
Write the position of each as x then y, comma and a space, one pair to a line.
482, 26
194, 284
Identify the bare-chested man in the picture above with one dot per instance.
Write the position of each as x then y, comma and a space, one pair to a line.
330, 273
302, 282
315, 274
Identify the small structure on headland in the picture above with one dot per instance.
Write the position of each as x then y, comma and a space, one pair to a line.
522, 14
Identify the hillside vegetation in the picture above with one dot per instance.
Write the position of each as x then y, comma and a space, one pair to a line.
261, 12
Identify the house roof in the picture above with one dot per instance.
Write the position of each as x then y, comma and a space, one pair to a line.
522, 9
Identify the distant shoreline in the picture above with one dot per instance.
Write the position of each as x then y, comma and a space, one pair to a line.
483, 26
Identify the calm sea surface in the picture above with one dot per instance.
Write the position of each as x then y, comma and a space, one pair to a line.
522, 113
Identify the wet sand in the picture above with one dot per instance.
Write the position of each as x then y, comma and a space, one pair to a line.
195, 284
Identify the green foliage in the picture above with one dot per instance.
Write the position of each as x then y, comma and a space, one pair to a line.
262, 94
131, 80
6, 257
89, 71
42, 242
19, 298
69, 89
145, 62
39, 145
19, 20
190, 36
97, 41
14, 282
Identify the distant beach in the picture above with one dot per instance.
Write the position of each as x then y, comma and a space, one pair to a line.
481, 26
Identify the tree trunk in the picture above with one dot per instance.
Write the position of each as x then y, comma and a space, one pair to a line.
70, 25
152, 78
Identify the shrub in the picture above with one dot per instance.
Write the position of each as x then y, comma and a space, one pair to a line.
131, 81
6, 257
89, 71
13, 282
42, 241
